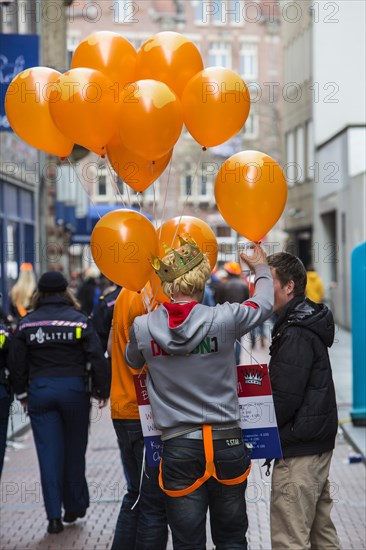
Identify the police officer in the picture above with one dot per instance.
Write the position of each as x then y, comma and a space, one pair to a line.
52, 347
103, 315
5, 399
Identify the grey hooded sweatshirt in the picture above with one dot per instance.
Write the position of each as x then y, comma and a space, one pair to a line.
192, 376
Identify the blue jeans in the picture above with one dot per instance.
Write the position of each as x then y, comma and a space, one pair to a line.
4, 417
143, 526
183, 463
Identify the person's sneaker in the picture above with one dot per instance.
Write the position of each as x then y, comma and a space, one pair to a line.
70, 517
55, 526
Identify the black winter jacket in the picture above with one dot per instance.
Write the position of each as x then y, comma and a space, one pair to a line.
301, 378
103, 315
57, 340
234, 290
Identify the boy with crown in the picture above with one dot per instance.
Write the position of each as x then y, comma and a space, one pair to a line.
192, 386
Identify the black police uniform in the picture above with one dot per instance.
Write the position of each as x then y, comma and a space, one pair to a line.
4, 389
49, 354
103, 315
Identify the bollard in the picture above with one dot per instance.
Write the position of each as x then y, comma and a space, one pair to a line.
358, 289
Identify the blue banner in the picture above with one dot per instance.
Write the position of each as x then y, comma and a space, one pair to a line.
17, 52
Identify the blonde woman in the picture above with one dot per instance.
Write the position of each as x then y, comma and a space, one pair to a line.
22, 291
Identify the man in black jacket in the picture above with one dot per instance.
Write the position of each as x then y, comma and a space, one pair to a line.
306, 410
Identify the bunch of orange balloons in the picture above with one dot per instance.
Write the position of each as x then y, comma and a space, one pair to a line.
126, 104
131, 106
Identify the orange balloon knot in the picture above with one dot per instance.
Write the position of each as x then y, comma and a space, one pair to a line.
204, 148
62, 158
102, 156
153, 162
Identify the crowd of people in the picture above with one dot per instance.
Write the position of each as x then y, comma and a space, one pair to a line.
61, 347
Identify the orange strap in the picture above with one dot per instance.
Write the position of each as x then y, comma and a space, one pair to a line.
210, 470
21, 310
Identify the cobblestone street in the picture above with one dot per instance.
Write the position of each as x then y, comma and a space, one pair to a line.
23, 520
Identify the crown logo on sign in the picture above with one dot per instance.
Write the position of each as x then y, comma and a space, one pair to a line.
254, 377
184, 261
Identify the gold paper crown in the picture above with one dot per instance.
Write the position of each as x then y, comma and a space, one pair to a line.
182, 262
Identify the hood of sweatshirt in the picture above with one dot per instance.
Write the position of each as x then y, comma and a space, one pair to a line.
178, 329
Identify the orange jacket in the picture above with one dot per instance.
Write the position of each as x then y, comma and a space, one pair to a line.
128, 305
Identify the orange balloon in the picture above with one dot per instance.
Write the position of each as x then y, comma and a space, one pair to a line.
109, 53
27, 106
133, 169
251, 193
196, 228
84, 107
168, 234
171, 58
216, 104
122, 243
150, 119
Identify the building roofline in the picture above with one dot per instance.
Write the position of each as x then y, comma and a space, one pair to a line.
342, 131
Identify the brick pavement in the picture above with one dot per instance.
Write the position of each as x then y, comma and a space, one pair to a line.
23, 521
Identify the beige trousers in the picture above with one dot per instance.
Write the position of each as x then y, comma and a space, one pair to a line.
301, 504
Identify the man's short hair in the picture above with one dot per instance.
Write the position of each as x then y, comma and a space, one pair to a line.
289, 268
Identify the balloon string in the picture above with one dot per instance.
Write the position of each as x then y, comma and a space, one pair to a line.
163, 212
146, 299
154, 206
155, 292
187, 197
115, 188
165, 195
83, 186
249, 353
152, 166
128, 195
138, 197
114, 182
